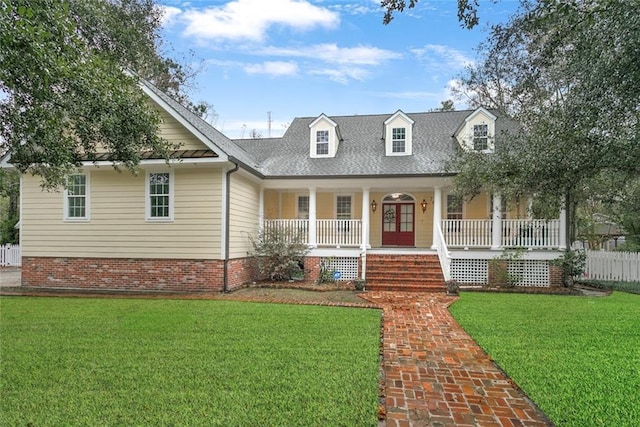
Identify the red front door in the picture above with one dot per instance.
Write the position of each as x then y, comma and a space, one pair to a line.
398, 224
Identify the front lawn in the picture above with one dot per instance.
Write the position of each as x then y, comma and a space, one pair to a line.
578, 358
84, 361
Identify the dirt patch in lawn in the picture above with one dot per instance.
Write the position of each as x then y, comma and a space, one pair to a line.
281, 293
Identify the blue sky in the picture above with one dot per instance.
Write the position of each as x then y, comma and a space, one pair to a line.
301, 58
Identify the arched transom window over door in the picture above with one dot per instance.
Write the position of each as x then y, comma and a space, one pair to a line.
398, 220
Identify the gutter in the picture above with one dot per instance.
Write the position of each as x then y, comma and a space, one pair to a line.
225, 286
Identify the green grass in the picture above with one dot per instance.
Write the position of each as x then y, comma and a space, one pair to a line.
631, 287
85, 361
578, 358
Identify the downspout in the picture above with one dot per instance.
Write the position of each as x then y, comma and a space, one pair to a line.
225, 286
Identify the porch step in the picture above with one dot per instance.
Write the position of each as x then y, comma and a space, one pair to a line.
418, 273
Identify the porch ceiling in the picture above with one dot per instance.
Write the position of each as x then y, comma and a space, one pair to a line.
377, 183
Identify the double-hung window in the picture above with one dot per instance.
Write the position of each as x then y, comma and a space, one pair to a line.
343, 212
454, 212
303, 207
454, 207
159, 189
322, 142
481, 137
76, 198
398, 140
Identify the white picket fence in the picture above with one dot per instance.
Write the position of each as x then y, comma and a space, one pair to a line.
606, 265
10, 256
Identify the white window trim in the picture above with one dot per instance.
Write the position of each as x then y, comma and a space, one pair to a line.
335, 204
147, 196
487, 137
327, 142
323, 123
87, 196
298, 195
397, 153
407, 124
445, 199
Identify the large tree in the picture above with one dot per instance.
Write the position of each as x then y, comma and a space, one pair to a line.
69, 73
569, 72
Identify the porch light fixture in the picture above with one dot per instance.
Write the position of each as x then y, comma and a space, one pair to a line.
374, 206
423, 205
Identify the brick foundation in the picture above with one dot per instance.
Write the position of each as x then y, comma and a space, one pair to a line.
312, 269
241, 271
181, 275
555, 276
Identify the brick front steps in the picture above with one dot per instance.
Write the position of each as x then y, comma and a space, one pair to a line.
418, 273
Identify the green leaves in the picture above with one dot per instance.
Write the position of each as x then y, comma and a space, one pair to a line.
567, 71
66, 92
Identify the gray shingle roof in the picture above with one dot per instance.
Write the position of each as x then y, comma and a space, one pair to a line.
229, 147
362, 150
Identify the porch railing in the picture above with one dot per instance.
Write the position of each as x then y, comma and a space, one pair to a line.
339, 232
531, 233
524, 233
290, 229
443, 254
468, 233
329, 232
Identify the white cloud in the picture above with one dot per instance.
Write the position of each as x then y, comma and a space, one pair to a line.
251, 19
331, 53
169, 14
342, 75
440, 56
359, 8
273, 68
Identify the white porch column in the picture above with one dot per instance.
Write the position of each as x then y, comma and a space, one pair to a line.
312, 218
365, 219
496, 219
529, 207
563, 224
437, 214
261, 210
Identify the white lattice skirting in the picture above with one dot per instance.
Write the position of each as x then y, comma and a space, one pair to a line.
347, 266
476, 272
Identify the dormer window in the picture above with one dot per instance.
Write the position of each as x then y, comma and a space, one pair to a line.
399, 140
322, 142
324, 137
477, 132
398, 133
481, 137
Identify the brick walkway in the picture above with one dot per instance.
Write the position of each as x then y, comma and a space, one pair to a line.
436, 375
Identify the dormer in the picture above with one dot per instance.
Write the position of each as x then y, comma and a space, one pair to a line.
478, 132
398, 135
324, 137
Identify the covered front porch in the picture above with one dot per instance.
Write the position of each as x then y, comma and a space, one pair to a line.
457, 234
365, 222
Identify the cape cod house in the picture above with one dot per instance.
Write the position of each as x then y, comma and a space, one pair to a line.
369, 194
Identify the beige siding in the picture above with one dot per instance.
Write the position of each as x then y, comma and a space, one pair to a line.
271, 204
243, 218
173, 131
117, 227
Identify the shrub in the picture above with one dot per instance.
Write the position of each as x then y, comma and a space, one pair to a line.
572, 264
503, 276
280, 253
326, 272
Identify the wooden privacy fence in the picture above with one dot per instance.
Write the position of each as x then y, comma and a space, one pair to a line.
10, 256
605, 265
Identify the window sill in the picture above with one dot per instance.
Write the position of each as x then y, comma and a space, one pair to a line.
158, 220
